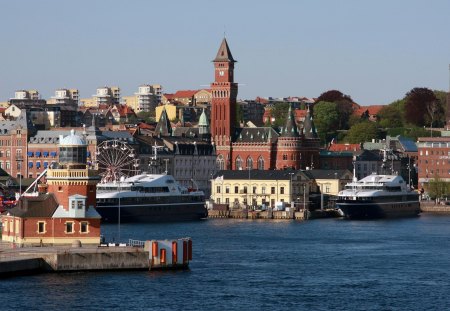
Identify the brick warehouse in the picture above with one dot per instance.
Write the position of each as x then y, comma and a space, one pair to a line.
261, 148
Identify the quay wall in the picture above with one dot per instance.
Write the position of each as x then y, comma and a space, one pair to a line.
21, 266
435, 208
81, 261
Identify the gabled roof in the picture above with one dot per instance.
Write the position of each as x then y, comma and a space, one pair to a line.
224, 53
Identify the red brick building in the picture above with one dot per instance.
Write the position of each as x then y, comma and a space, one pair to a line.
261, 148
66, 212
433, 159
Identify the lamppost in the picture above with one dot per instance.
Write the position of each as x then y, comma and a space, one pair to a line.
409, 172
290, 191
249, 186
118, 216
19, 161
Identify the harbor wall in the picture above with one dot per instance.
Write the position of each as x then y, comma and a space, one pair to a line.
434, 208
21, 266
79, 261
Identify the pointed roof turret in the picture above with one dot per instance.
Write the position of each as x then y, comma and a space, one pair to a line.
224, 53
290, 128
203, 120
163, 128
309, 128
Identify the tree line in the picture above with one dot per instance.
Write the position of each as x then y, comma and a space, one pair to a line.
420, 110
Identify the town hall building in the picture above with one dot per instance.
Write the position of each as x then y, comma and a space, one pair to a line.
262, 148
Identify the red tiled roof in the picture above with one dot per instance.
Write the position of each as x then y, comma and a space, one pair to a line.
299, 114
261, 100
169, 96
373, 110
145, 126
344, 147
185, 93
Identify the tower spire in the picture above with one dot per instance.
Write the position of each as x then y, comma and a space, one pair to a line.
224, 53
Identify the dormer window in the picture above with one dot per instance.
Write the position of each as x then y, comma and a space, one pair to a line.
77, 204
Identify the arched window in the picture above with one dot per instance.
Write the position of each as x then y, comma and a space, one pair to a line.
220, 162
285, 157
249, 163
238, 163
260, 163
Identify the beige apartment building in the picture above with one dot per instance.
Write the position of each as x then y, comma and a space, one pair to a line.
145, 99
69, 97
257, 188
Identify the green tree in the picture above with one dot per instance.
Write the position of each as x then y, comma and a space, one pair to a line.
148, 117
438, 188
326, 119
344, 106
362, 132
442, 100
279, 112
239, 115
392, 115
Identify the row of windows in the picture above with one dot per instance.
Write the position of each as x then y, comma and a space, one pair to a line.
442, 162
69, 227
245, 190
434, 152
239, 163
244, 201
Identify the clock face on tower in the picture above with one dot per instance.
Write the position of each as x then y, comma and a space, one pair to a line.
221, 73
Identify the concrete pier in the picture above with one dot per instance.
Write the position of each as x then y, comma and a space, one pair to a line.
30, 260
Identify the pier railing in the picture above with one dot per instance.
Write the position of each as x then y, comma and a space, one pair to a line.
136, 243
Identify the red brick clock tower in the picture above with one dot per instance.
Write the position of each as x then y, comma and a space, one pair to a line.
223, 104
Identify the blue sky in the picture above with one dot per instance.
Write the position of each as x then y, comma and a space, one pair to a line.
374, 51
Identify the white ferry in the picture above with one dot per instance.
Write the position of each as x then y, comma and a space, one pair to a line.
149, 198
378, 196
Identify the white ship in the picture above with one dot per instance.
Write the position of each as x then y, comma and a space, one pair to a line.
378, 196
149, 198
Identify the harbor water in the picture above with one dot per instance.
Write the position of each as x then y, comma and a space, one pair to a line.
327, 264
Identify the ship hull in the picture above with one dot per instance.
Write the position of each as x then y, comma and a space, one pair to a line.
153, 212
374, 210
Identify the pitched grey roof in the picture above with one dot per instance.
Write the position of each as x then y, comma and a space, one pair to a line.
309, 128
224, 53
163, 128
43, 205
255, 134
290, 128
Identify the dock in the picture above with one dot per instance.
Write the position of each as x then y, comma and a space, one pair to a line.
270, 214
144, 255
